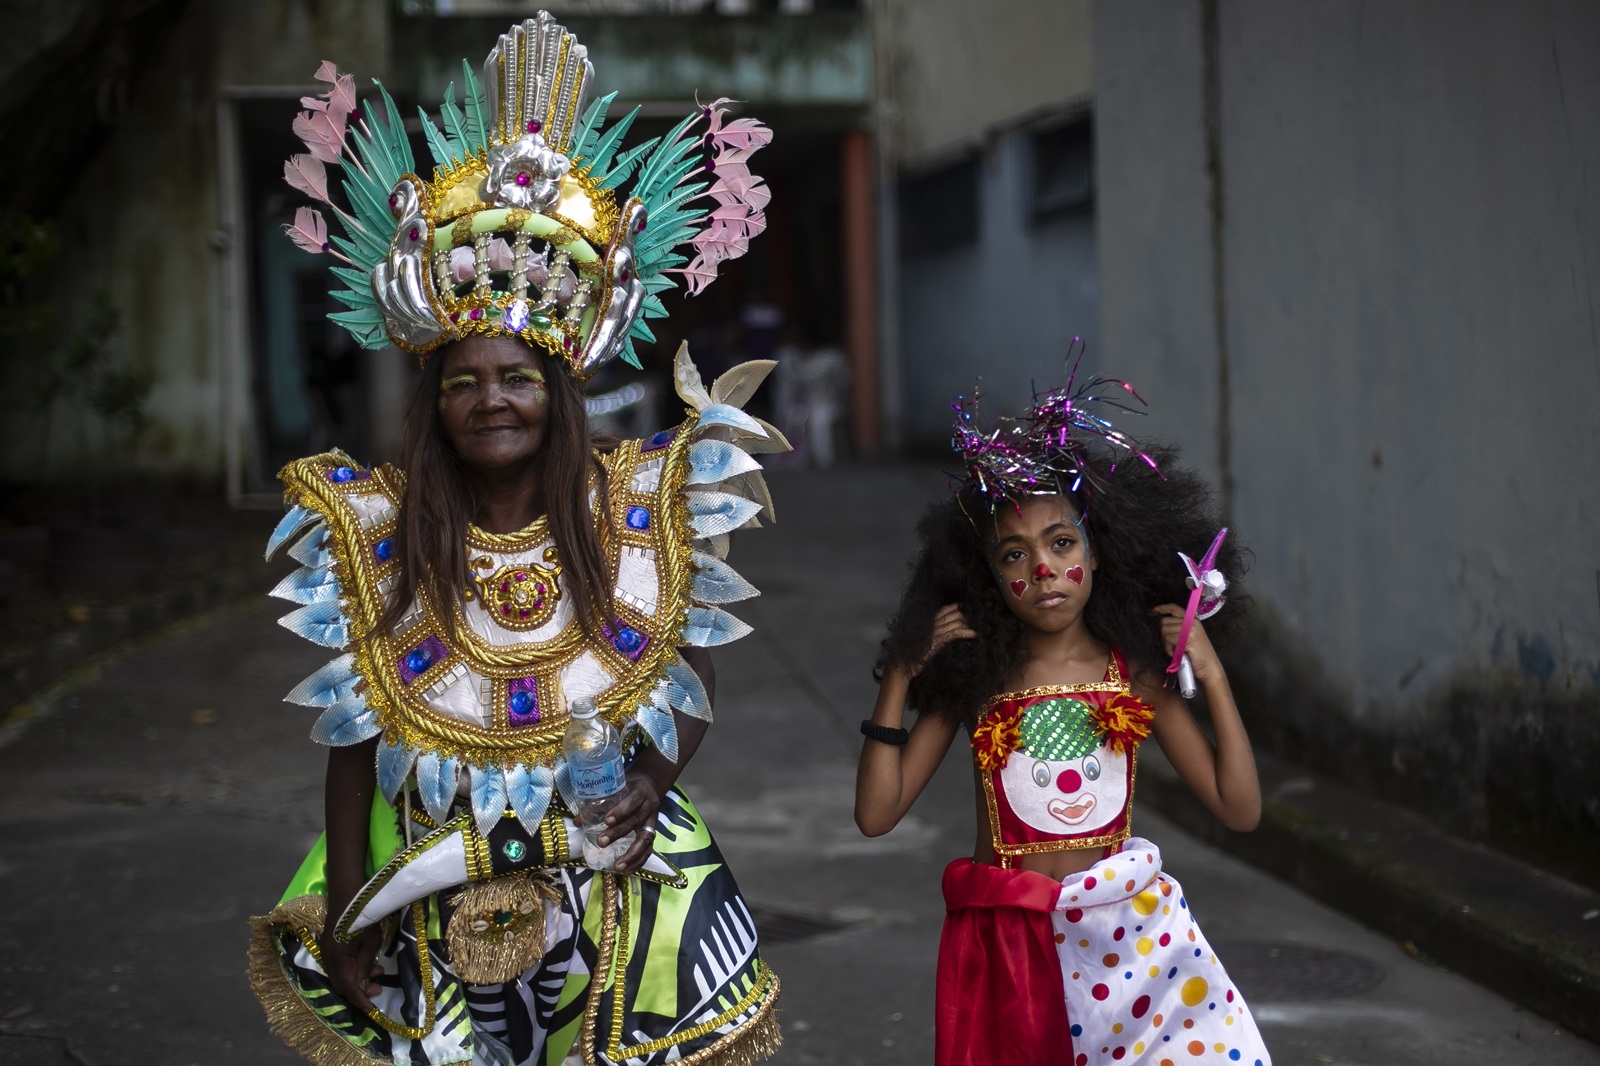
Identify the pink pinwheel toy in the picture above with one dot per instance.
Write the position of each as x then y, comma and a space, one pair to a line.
1206, 598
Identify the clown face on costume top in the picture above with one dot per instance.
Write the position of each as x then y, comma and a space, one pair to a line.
1058, 763
1065, 779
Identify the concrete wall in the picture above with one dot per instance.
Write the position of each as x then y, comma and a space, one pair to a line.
1004, 308
970, 79
1403, 396
958, 70
150, 214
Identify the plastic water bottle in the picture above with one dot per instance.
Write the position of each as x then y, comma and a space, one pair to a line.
594, 758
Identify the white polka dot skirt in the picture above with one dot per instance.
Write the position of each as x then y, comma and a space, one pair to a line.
1143, 985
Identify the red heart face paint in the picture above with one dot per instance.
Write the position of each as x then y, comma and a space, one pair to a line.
1018, 587
1073, 574
1042, 571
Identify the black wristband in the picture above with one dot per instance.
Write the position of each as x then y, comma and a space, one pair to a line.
884, 734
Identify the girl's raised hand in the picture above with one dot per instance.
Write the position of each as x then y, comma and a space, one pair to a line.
1202, 656
949, 624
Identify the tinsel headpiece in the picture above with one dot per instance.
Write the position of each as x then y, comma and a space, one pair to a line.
520, 232
1043, 452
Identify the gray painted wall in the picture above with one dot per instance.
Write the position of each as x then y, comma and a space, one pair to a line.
1005, 308
1410, 244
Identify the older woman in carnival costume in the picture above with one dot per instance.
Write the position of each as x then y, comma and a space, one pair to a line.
510, 571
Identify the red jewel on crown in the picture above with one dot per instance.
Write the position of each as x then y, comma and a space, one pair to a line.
534, 125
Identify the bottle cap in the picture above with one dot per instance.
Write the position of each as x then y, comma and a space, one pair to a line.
583, 707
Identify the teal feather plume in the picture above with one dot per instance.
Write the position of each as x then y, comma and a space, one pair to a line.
438, 147
476, 108
619, 171
366, 326
588, 128
455, 126
668, 151
598, 154
354, 299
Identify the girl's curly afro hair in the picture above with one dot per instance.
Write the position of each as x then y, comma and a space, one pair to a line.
1138, 521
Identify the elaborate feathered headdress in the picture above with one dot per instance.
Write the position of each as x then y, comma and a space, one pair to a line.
1043, 451
520, 231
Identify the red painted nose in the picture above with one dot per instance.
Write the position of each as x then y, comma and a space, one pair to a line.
1069, 782
1042, 571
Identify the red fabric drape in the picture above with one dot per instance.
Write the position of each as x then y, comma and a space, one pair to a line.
1000, 998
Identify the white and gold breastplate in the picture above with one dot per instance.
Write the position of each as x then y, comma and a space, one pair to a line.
481, 687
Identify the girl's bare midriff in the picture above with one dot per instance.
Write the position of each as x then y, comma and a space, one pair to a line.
1053, 864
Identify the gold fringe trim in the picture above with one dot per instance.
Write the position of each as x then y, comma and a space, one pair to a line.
755, 1040
497, 931
289, 1017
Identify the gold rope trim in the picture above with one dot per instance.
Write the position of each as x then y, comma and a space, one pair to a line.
765, 979
289, 1017
757, 1039
597, 980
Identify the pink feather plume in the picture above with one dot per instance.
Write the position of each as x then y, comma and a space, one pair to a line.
309, 230
740, 195
322, 125
342, 95
306, 174
322, 136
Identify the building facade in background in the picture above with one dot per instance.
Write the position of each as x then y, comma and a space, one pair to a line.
1349, 252
226, 319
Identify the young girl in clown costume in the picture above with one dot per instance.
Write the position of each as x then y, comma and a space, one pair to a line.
1045, 610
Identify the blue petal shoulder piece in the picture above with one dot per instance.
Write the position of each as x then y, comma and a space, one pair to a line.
312, 549
488, 796
328, 685
686, 692
715, 513
350, 721
307, 585
708, 627
320, 623
711, 461
661, 729
528, 791
717, 582
436, 780
721, 414
394, 765
290, 524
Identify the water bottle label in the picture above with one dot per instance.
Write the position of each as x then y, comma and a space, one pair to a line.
598, 782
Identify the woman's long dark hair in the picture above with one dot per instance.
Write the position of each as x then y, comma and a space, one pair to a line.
431, 539
1138, 522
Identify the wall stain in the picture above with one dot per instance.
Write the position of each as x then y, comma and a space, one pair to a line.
1501, 755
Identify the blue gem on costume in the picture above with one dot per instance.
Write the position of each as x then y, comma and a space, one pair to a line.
342, 474
516, 316
660, 440
628, 640
522, 704
384, 549
428, 653
638, 518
